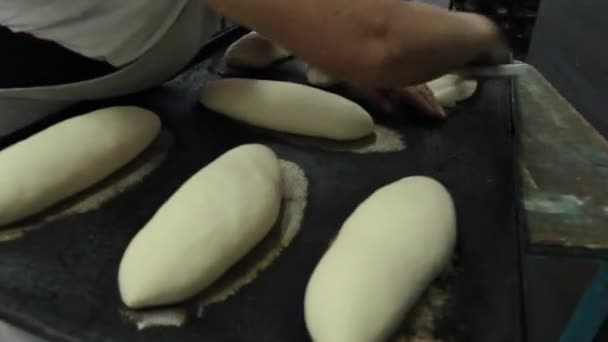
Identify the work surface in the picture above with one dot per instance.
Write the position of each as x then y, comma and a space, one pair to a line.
564, 170
59, 280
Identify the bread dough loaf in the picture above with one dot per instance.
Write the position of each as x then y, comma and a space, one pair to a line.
210, 223
288, 107
450, 89
320, 78
254, 51
69, 157
386, 254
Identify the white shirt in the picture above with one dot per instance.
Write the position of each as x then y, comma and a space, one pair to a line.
115, 31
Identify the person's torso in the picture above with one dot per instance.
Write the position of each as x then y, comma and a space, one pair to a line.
116, 31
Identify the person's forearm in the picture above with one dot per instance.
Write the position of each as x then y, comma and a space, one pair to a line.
431, 42
373, 42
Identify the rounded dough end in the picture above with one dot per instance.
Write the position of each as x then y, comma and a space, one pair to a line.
450, 89
320, 78
288, 107
210, 223
86, 148
254, 51
385, 256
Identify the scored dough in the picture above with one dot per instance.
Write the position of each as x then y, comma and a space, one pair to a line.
69, 157
320, 78
386, 254
254, 51
210, 223
450, 89
288, 107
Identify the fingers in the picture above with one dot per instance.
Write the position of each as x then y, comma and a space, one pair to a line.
495, 49
434, 108
437, 107
422, 98
379, 98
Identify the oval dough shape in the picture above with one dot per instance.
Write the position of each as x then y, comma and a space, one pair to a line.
210, 223
386, 254
69, 157
450, 89
288, 107
320, 78
254, 51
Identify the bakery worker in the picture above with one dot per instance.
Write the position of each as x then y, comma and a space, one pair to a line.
58, 52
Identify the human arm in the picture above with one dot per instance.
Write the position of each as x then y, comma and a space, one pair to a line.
377, 43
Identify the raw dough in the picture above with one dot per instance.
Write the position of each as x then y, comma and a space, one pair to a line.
320, 78
293, 208
450, 89
386, 254
254, 51
288, 107
210, 223
69, 157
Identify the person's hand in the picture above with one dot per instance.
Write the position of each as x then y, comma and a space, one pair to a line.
495, 48
420, 96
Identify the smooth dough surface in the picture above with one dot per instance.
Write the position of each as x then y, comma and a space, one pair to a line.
211, 222
386, 254
69, 157
450, 89
254, 51
320, 78
288, 107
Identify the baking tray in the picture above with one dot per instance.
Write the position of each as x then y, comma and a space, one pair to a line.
59, 281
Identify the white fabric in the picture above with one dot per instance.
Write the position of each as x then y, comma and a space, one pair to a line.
116, 31
177, 47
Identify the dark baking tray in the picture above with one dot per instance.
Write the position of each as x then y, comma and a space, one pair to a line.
60, 281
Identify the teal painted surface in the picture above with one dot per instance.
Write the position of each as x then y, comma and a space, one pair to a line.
591, 311
549, 203
564, 170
